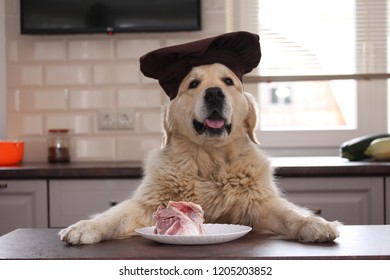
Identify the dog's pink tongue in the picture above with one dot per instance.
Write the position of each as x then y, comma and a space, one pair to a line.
215, 123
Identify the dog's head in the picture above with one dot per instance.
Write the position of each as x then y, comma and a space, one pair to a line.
211, 106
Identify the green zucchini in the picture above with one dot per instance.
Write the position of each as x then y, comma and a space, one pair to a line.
354, 149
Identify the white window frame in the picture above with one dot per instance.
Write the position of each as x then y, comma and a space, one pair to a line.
372, 111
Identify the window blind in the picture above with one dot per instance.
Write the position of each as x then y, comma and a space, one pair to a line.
316, 40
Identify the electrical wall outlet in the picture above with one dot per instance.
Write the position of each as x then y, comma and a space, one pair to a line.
116, 120
126, 120
107, 120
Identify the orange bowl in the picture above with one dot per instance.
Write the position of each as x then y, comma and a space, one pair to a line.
11, 152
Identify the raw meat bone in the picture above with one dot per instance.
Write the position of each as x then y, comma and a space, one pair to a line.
179, 218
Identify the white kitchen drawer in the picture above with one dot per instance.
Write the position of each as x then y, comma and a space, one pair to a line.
23, 204
74, 200
351, 200
387, 191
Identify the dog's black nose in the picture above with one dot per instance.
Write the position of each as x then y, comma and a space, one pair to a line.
214, 95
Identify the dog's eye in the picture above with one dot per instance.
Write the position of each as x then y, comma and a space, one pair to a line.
194, 84
228, 81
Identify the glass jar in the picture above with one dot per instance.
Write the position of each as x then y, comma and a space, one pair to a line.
58, 146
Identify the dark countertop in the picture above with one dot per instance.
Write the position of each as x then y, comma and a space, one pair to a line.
284, 167
74, 170
327, 166
355, 242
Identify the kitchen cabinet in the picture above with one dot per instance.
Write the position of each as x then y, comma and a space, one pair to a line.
23, 203
387, 194
350, 200
74, 200
46, 195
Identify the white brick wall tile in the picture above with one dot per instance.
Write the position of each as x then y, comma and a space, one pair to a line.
75, 122
116, 74
139, 98
135, 48
219, 4
93, 149
43, 99
152, 122
24, 75
67, 74
12, 50
213, 4
12, 23
42, 51
178, 41
13, 100
214, 21
35, 149
91, 50
148, 81
132, 149
24, 124
92, 98
12, 7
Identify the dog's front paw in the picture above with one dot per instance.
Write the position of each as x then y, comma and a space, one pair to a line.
316, 229
82, 232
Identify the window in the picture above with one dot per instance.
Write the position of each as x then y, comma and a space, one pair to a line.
323, 74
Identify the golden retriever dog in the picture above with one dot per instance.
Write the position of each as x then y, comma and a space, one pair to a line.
210, 156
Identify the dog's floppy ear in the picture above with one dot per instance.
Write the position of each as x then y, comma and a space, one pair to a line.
251, 119
166, 127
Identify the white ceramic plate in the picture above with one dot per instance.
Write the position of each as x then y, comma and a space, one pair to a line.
215, 233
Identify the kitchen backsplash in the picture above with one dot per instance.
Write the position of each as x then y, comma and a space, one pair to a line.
66, 81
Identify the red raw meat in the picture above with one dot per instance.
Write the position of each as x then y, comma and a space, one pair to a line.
179, 218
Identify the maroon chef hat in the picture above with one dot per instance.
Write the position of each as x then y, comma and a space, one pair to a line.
239, 51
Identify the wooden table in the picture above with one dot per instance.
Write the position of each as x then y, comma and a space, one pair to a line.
355, 242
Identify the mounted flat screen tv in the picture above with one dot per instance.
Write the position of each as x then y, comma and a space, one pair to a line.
108, 16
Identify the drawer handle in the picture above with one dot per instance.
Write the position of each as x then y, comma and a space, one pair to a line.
3, 186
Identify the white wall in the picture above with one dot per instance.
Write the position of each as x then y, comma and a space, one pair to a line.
64, 81
3, 99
